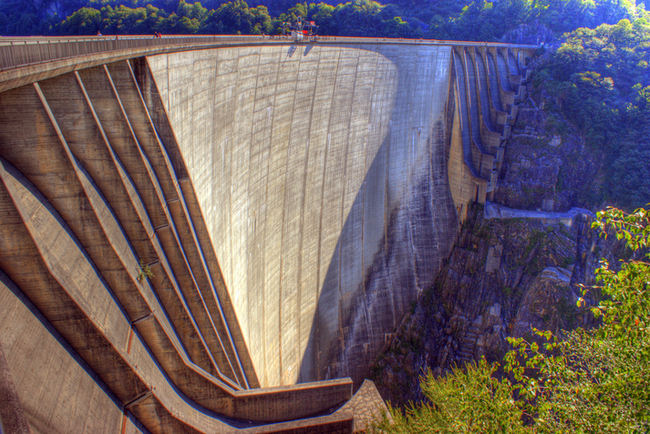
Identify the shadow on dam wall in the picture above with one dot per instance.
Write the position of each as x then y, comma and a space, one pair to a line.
322, 179
416, 239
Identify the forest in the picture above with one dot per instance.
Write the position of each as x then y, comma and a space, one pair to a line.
445, 19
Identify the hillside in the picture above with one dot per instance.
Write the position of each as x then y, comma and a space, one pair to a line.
447, 19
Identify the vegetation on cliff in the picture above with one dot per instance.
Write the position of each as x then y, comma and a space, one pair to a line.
598, 81
581, 139
585, 380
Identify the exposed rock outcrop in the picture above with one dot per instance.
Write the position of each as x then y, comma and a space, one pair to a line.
547, 165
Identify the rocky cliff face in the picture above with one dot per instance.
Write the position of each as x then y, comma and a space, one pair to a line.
502, 278
505, 276
546, 164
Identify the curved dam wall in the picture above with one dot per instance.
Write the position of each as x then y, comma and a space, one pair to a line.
321, 175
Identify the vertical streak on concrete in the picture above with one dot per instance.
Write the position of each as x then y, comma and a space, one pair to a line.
204, 78
247, 68
263, 125
255, 292
276, 206
320, 115
347, 189
320, 270
222, 101
268, 308
303, 327
297, 153
282, 297
329, 302
373, 153
398, 181
350, 263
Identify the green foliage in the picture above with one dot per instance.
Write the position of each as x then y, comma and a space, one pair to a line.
587, 381
598, 80
470, 400
144, 272
236, 16
445, 19
596, 380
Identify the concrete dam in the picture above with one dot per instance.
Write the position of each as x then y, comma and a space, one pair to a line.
221, 234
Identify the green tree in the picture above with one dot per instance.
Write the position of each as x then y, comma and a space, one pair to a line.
587, 381
598, 81
236, 17
85, 21
469, 400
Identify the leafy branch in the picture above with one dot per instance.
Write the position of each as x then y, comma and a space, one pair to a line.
144, 272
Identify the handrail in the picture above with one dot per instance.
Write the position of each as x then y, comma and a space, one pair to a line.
17, 52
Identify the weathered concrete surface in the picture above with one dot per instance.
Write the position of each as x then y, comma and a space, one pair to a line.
49, 381
67, 218
322, 179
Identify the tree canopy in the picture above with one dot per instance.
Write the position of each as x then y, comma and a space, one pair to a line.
445, 19
599, 80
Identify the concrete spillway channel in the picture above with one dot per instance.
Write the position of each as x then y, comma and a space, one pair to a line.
482, 160
490, 134
484, 127
465, 127
495, 91
504, 73
207, 240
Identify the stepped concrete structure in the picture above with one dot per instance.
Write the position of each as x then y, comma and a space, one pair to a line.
220, 234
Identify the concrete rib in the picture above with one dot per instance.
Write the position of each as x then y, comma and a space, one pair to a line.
190, 203
133, 157
163, 281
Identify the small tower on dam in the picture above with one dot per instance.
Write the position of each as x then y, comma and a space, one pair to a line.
220, 234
